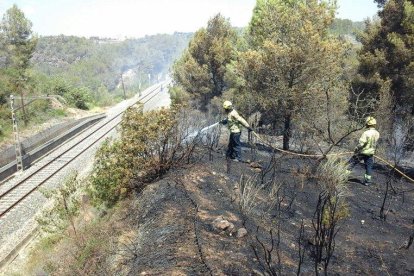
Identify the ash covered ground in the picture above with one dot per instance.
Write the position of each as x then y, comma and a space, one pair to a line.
177, 221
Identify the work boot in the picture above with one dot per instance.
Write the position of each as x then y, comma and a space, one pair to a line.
367, 180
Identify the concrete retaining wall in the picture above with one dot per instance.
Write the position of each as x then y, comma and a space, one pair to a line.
38, 145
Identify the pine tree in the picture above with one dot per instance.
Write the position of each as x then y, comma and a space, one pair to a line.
18, 44
201, 70
388, 53
291, 54
380, 3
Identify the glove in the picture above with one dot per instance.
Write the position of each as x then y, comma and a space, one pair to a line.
223, 122
249, 129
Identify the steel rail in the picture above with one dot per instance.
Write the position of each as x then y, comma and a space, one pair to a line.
25, 179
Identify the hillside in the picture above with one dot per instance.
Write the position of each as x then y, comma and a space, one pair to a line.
93, 62
215, 218
175, 229
88, 73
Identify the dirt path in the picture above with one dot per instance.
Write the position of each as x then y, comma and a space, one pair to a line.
27, 132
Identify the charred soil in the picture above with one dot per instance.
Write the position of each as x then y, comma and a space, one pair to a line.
175, 231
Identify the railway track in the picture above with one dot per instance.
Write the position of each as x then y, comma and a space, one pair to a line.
15, 191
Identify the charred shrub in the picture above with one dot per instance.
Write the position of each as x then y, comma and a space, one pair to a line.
331, 210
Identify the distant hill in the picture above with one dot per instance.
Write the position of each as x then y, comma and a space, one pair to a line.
344, 27
95, 61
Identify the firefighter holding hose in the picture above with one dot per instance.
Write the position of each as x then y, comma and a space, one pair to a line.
234, 123
365, 149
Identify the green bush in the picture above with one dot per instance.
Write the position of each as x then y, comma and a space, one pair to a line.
150, 145
65, 207
5, 122
111, 174
79, 97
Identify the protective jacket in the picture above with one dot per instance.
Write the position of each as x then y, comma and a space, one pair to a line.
368, 142
235, 121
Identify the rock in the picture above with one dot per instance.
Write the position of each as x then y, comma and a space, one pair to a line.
221, 224
255, 165
241, 233
311, 241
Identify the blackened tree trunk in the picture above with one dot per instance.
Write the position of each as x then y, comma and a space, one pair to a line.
287, 131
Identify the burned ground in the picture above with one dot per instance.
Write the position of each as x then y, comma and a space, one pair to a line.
173, 220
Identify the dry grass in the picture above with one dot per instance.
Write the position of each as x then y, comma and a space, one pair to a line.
332, 176
102, 247
248, 192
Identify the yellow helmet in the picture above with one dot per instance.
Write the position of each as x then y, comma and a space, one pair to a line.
370, 121
227, 105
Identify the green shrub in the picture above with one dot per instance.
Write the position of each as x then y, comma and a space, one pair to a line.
65, 207
79, 97
111, 174
150, 145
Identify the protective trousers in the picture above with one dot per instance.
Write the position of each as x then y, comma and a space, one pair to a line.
368, 161
234, 147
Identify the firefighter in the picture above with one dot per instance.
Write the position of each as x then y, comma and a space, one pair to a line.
234, 123
365, 149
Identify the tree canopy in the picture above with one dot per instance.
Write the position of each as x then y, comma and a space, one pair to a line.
201, 71
291, 53
18, 45
388, 53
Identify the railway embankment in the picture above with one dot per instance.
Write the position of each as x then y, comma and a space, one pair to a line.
43, 142
22, 198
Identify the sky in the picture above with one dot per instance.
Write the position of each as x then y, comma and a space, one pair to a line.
137, 18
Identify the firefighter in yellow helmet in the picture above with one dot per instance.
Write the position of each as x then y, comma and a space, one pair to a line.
365, 149
234, 123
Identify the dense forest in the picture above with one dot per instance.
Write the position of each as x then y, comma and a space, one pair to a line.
98, 62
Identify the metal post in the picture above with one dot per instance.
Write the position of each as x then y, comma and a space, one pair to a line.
123, 86
17, 146
139, 87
